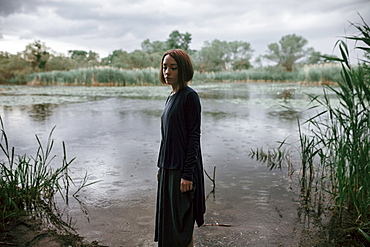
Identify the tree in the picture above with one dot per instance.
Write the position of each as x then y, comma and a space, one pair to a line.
211, 56
37, 54
83, 58
13, 68
138, 59
239, 54
288, 51
176, 40
116, 59
76, 54
315, 57
61, 62
222, 55
78, 57
179, 40
92, 59
154, 47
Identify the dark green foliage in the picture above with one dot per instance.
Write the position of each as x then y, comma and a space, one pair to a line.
179, 40
176, 40
37, 54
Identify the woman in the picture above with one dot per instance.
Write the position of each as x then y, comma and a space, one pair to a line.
180, 196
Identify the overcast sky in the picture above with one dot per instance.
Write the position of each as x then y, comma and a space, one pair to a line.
107, 25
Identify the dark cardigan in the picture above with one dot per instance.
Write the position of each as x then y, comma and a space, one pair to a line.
180, 144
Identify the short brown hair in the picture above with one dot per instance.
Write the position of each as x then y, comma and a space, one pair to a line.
184, 65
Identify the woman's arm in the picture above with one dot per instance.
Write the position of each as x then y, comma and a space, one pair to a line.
193, 122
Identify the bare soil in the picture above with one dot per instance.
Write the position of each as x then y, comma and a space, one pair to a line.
26, 231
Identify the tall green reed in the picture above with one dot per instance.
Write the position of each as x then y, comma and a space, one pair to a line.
334, 145
327, 73
30, 185
98, 76
108, 76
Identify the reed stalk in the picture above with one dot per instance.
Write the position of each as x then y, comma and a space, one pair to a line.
30, 185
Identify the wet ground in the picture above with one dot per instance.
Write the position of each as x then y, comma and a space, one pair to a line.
114, 135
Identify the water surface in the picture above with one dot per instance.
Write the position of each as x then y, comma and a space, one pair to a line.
114, 134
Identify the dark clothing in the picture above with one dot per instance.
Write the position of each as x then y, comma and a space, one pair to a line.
180, 157
175, 212
180, 126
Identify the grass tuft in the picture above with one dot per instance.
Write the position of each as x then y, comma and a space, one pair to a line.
29, 185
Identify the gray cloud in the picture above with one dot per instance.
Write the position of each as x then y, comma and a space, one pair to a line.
9, 7
108, 25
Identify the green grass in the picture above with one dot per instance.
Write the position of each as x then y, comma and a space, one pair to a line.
29, 185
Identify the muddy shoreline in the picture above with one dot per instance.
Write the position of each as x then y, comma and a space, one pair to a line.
130, 222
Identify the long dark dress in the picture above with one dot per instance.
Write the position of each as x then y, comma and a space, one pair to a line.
179, 157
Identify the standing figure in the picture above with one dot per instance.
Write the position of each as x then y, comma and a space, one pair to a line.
180, 195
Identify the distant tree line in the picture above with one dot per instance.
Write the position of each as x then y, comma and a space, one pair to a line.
214, 56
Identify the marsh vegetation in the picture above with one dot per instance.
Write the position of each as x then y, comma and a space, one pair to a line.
109, 76
334, 150
35, 188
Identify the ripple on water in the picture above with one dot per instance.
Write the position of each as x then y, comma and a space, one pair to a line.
103, 203
118, 183
112, 173
245, 187
103, 185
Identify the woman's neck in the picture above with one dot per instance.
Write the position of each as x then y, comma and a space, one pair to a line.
175, 88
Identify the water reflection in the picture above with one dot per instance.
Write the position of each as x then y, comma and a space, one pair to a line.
40, 112
288, 114
286, 94
219, 115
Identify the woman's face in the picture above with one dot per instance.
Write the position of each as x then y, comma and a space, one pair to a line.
170, 71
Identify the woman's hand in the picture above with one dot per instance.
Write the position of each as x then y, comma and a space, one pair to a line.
185, 185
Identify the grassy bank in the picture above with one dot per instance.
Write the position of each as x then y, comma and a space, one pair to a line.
108, 76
